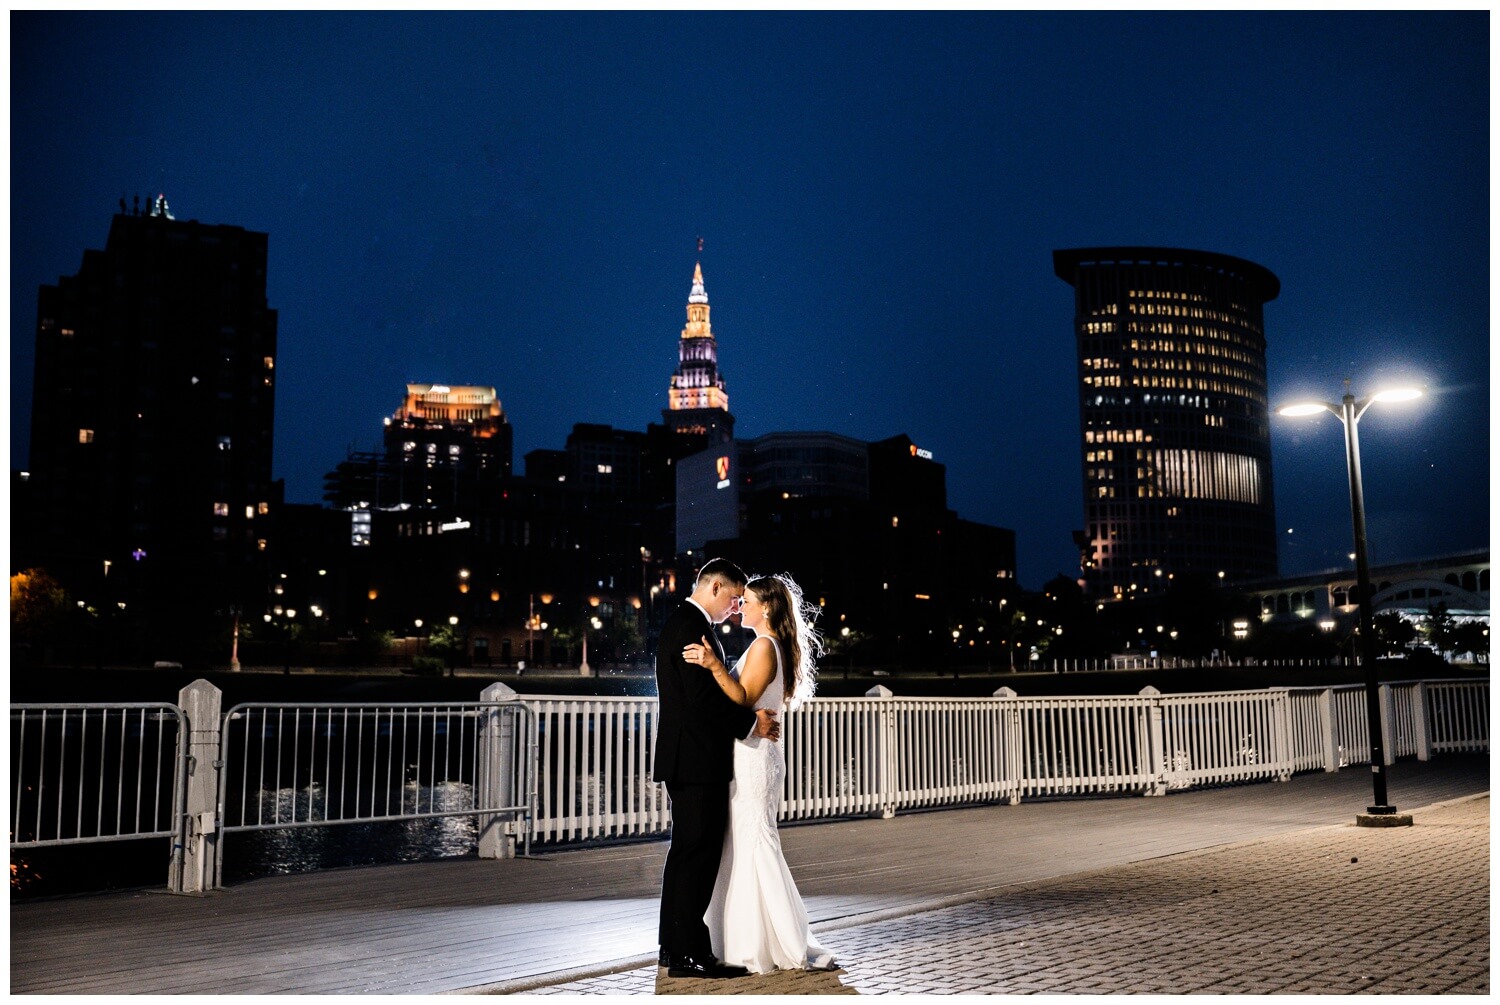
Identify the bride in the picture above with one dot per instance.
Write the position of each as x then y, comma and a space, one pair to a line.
756, 918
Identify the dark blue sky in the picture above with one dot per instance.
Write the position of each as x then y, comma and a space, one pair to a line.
515, 200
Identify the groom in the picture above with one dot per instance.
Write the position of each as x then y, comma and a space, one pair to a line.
696, 729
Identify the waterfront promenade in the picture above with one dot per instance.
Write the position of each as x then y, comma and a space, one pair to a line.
1263, 887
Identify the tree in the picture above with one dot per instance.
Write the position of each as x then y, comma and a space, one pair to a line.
563, 639
627, 638
447, 642
1393, 632
1440, 629
1064, 605
370, 643
838, 648
38, 606
1472, 637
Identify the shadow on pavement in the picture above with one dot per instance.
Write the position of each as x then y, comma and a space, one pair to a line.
780, 982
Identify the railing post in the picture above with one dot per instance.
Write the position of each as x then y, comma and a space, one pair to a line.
1325, 722
1281, 734
497, 774
198, 830
1011, 740
1423, 737
1387, 724
886, 751
1154, 736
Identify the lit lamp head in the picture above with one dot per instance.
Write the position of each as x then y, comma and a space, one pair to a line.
1392, 394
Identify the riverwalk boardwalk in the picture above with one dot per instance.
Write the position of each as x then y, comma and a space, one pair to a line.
1254, 888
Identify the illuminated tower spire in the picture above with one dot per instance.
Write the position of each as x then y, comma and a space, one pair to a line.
697, 400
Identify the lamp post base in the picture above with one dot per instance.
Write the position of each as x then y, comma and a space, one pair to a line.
1382, 816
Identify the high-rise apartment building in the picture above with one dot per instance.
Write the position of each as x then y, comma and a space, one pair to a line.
1176, 445
865, 528
444, 446
697, 401
151, 428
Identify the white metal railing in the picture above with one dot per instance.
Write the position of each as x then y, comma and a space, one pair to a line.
829, 770
879, 755
1230, 736
594, 769
1351, 725
559, 770
1076, 746
314, 764
1458, 716
1095, 665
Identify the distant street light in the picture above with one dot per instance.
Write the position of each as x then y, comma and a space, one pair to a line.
1348, 411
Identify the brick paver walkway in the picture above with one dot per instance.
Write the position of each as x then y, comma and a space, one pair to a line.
1327, 910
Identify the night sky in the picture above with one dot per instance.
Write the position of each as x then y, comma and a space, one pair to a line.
515, 200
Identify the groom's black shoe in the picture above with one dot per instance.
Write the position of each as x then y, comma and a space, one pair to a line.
690, 966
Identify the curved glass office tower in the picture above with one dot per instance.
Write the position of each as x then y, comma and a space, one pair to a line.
1176, 444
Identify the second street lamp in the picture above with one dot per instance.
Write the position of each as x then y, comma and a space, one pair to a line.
1349, 410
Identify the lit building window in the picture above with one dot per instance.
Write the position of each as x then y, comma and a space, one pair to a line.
224, 443
85, 436
263, 508
453, 450
221, 509
260, 544
269, 363
605, 469
359, 528
249, 512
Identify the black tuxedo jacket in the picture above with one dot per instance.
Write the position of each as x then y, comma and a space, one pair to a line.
697, 724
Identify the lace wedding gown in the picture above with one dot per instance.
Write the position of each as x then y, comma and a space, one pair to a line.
756, 918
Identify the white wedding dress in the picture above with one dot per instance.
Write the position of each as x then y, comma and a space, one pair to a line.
756, 918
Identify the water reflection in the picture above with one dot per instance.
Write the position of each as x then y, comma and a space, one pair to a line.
117, 865
306, 849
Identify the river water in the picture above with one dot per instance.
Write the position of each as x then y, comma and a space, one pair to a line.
143, 864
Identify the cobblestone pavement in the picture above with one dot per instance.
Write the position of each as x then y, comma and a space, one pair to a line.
1329, 910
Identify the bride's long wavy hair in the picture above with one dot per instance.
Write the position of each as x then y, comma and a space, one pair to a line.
790, 619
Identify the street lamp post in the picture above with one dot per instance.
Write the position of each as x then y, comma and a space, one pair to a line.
234, 645
1349, 410
287, 665
584, 670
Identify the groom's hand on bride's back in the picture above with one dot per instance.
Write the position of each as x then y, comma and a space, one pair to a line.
766, 724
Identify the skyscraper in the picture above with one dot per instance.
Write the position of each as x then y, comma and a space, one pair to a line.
864, 526
697, 402
1176, 445
152, 424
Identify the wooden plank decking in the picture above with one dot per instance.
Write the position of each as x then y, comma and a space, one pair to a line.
461, 924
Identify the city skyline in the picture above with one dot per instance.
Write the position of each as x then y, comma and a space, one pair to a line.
878, 198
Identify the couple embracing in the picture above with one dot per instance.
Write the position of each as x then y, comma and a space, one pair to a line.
729, 905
